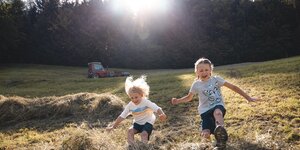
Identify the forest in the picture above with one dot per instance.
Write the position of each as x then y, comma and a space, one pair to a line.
73, 33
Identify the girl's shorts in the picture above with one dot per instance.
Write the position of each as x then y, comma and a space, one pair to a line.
208, 119
146, 127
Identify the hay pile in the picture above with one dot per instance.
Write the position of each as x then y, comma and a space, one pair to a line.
82, 105
80, 139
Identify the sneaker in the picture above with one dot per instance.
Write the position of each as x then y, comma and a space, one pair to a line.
221, 137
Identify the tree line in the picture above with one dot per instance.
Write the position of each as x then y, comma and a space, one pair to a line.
74, 33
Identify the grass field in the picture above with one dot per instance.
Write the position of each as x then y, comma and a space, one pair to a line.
55, 107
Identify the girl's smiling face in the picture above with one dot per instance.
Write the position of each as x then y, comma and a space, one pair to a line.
203, 71
136, 98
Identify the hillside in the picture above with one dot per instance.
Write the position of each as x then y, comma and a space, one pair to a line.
54, 107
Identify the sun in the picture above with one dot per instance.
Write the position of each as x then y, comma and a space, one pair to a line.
141, 12
137, 7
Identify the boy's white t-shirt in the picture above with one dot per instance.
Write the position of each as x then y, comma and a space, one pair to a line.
142, 113
209, 93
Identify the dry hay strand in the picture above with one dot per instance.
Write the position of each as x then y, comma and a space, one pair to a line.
81, 105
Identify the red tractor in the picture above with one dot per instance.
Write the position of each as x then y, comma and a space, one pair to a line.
96, 70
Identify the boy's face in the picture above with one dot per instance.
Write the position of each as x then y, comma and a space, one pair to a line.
136, 98
203, 71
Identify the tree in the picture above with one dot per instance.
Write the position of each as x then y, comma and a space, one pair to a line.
12, 30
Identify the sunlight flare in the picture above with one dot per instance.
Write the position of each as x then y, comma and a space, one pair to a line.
138, 7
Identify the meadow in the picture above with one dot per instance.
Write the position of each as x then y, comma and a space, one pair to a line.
57, 107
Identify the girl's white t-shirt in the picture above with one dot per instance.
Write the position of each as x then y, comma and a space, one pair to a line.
209, 93
142, 113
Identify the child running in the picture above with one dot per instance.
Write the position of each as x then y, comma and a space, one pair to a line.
211, 103
141, 109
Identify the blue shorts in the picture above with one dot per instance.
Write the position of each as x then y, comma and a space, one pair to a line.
146, 127
208, 119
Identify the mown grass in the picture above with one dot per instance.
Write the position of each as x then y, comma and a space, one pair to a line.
272, 123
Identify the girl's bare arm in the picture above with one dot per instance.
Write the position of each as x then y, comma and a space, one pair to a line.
162, 116
115, 124
184, 99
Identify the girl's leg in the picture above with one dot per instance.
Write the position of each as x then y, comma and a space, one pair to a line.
218, 115
147, 130
130, 135
144, 137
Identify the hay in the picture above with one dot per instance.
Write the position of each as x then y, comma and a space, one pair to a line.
12, 108
78, 141
194, 146
81, 105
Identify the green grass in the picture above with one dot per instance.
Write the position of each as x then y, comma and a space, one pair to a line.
272, 123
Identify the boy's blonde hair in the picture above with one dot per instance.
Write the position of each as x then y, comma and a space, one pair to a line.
203, 61
137, 86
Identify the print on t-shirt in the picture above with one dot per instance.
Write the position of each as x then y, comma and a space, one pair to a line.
213, 93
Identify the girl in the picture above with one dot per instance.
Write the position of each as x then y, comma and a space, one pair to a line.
141, 109
211, 103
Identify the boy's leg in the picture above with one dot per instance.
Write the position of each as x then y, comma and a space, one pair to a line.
220, 132
205, 134
207, 125
221, 137
218, 115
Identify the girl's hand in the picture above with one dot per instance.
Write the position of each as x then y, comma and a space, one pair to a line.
162, 117
174, 101
252, 99
109, 128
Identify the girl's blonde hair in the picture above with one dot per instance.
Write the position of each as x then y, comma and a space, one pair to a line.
203, 61
137, 86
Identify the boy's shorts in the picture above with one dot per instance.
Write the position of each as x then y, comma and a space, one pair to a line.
146, 127
208, 119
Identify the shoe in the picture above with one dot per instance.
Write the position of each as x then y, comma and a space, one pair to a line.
221, 137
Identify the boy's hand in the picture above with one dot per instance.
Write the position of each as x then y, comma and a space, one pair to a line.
162, 117
174, 101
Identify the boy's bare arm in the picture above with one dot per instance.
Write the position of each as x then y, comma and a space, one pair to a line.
239, 91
